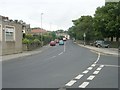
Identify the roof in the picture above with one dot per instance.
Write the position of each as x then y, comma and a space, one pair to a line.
38, 31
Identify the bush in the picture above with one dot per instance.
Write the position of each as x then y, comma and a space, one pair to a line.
28, 36
36, 41
26, 41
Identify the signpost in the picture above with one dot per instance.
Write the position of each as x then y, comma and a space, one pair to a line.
84, 35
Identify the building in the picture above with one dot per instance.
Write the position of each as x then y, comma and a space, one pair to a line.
38, 31
26, 27
10, 36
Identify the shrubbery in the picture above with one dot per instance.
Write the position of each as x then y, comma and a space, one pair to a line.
26, 41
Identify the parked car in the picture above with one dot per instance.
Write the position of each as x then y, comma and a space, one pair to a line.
57, 40
101, 43
52, 43
61, 42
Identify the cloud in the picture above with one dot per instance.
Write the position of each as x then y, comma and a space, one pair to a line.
58, 12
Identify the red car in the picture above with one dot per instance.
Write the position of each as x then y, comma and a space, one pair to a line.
52, 43
56, 40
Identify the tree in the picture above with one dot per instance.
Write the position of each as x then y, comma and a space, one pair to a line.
82, 25
106, 20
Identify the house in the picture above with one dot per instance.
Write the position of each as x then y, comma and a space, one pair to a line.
26, 27
10, 36
38, 31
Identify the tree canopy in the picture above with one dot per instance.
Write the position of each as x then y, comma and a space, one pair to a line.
104, 24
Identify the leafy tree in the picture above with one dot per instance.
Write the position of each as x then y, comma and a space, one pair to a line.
82, 25
106, 20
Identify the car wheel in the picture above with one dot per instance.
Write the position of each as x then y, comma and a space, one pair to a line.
99, 46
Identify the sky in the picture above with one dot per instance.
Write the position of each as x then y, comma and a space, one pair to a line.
57, 14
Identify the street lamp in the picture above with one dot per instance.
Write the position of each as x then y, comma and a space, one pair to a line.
41, 31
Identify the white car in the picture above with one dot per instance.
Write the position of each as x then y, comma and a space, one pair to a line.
64, 39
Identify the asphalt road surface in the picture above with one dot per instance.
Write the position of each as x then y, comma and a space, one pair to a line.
69, 66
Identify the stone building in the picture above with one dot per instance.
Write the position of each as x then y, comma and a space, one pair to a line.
10, 36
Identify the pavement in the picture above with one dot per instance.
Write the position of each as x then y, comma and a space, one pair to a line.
24, 53
108, 51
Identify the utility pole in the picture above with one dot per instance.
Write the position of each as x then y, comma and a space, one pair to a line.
41, 31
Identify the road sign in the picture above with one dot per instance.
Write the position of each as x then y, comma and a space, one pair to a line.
84, 35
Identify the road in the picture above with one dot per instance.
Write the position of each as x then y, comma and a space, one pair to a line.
69, 66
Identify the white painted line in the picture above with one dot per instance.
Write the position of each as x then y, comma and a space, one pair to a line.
79, 76
95, 72
108, 65
112, 65
60, 53
101, 66
70, 83
98, 69
64, 46
91, 77
97, 58
86, 71
93, 65
84, 84
50, 57
90, 68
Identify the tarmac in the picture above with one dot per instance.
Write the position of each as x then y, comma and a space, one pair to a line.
107, 51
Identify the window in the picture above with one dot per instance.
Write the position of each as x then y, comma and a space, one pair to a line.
9, 33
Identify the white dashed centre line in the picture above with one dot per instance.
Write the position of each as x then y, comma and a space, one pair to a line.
90, 68
60, 53
99, 69
64, 48
95, 72
84, 84
86, 71
70, 83
91, 77
79, 76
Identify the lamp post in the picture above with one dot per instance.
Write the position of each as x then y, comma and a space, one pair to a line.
41, 31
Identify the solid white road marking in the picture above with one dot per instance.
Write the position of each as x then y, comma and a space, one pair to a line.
86, 71
84, 84
95, 72
109, 65
70, 83
112, 65
98, 69
101, 66
64, 47
79, 76
97, 58
93, 65
60, 53
91, 77
90, 68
